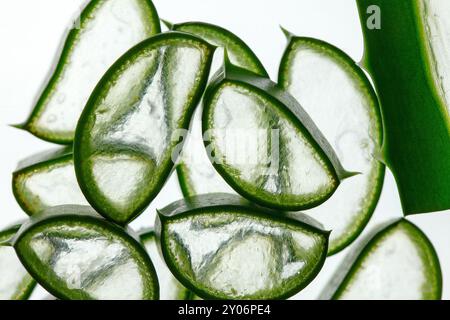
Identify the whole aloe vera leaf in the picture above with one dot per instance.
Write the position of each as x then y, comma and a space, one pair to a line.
75, 254
47, 180
15, 282
398, 262
104, 31
264, 145
341, 101
221, 247
128, 136
406, 53
170, 288
195, 172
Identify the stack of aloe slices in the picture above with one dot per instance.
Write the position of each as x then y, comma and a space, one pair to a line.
128, 120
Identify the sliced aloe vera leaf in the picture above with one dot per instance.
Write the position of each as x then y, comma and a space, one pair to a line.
341, 101
15, 282
104, 31
398, 262
413, 92
195, 172
221, 247
170, 287
75, 254
264, 144
47, 180
127, 139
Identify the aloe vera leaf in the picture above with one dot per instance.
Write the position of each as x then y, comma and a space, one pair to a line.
170, 288
15, 282
74, 254
222, 247
126, 141
104, 31
398, 262
47, 180
341, 101
264, 145
195, 172
407, 58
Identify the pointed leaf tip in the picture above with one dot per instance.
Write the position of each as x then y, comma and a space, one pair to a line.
349, 174
168, 24
20, 126
289, 35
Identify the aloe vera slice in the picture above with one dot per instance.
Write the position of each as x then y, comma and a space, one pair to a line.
75, 254
15, 282
339, 98
221, 247
195, 172
264, 145
127, 139
106, 29
413, 91
47, 180
399, 262
170, 288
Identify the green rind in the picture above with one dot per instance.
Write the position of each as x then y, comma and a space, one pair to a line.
184, 181
216, 202
7, 234
26, 289
80, 215
59, 69
416, 126
379, 177
221, 37
244, 57
79, 157
231, 74
28, 283
36, 163
428, 254
150, 236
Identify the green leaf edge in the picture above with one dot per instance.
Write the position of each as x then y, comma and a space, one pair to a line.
150, 235
430, 199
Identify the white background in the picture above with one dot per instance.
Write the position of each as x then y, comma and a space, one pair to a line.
31, 33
